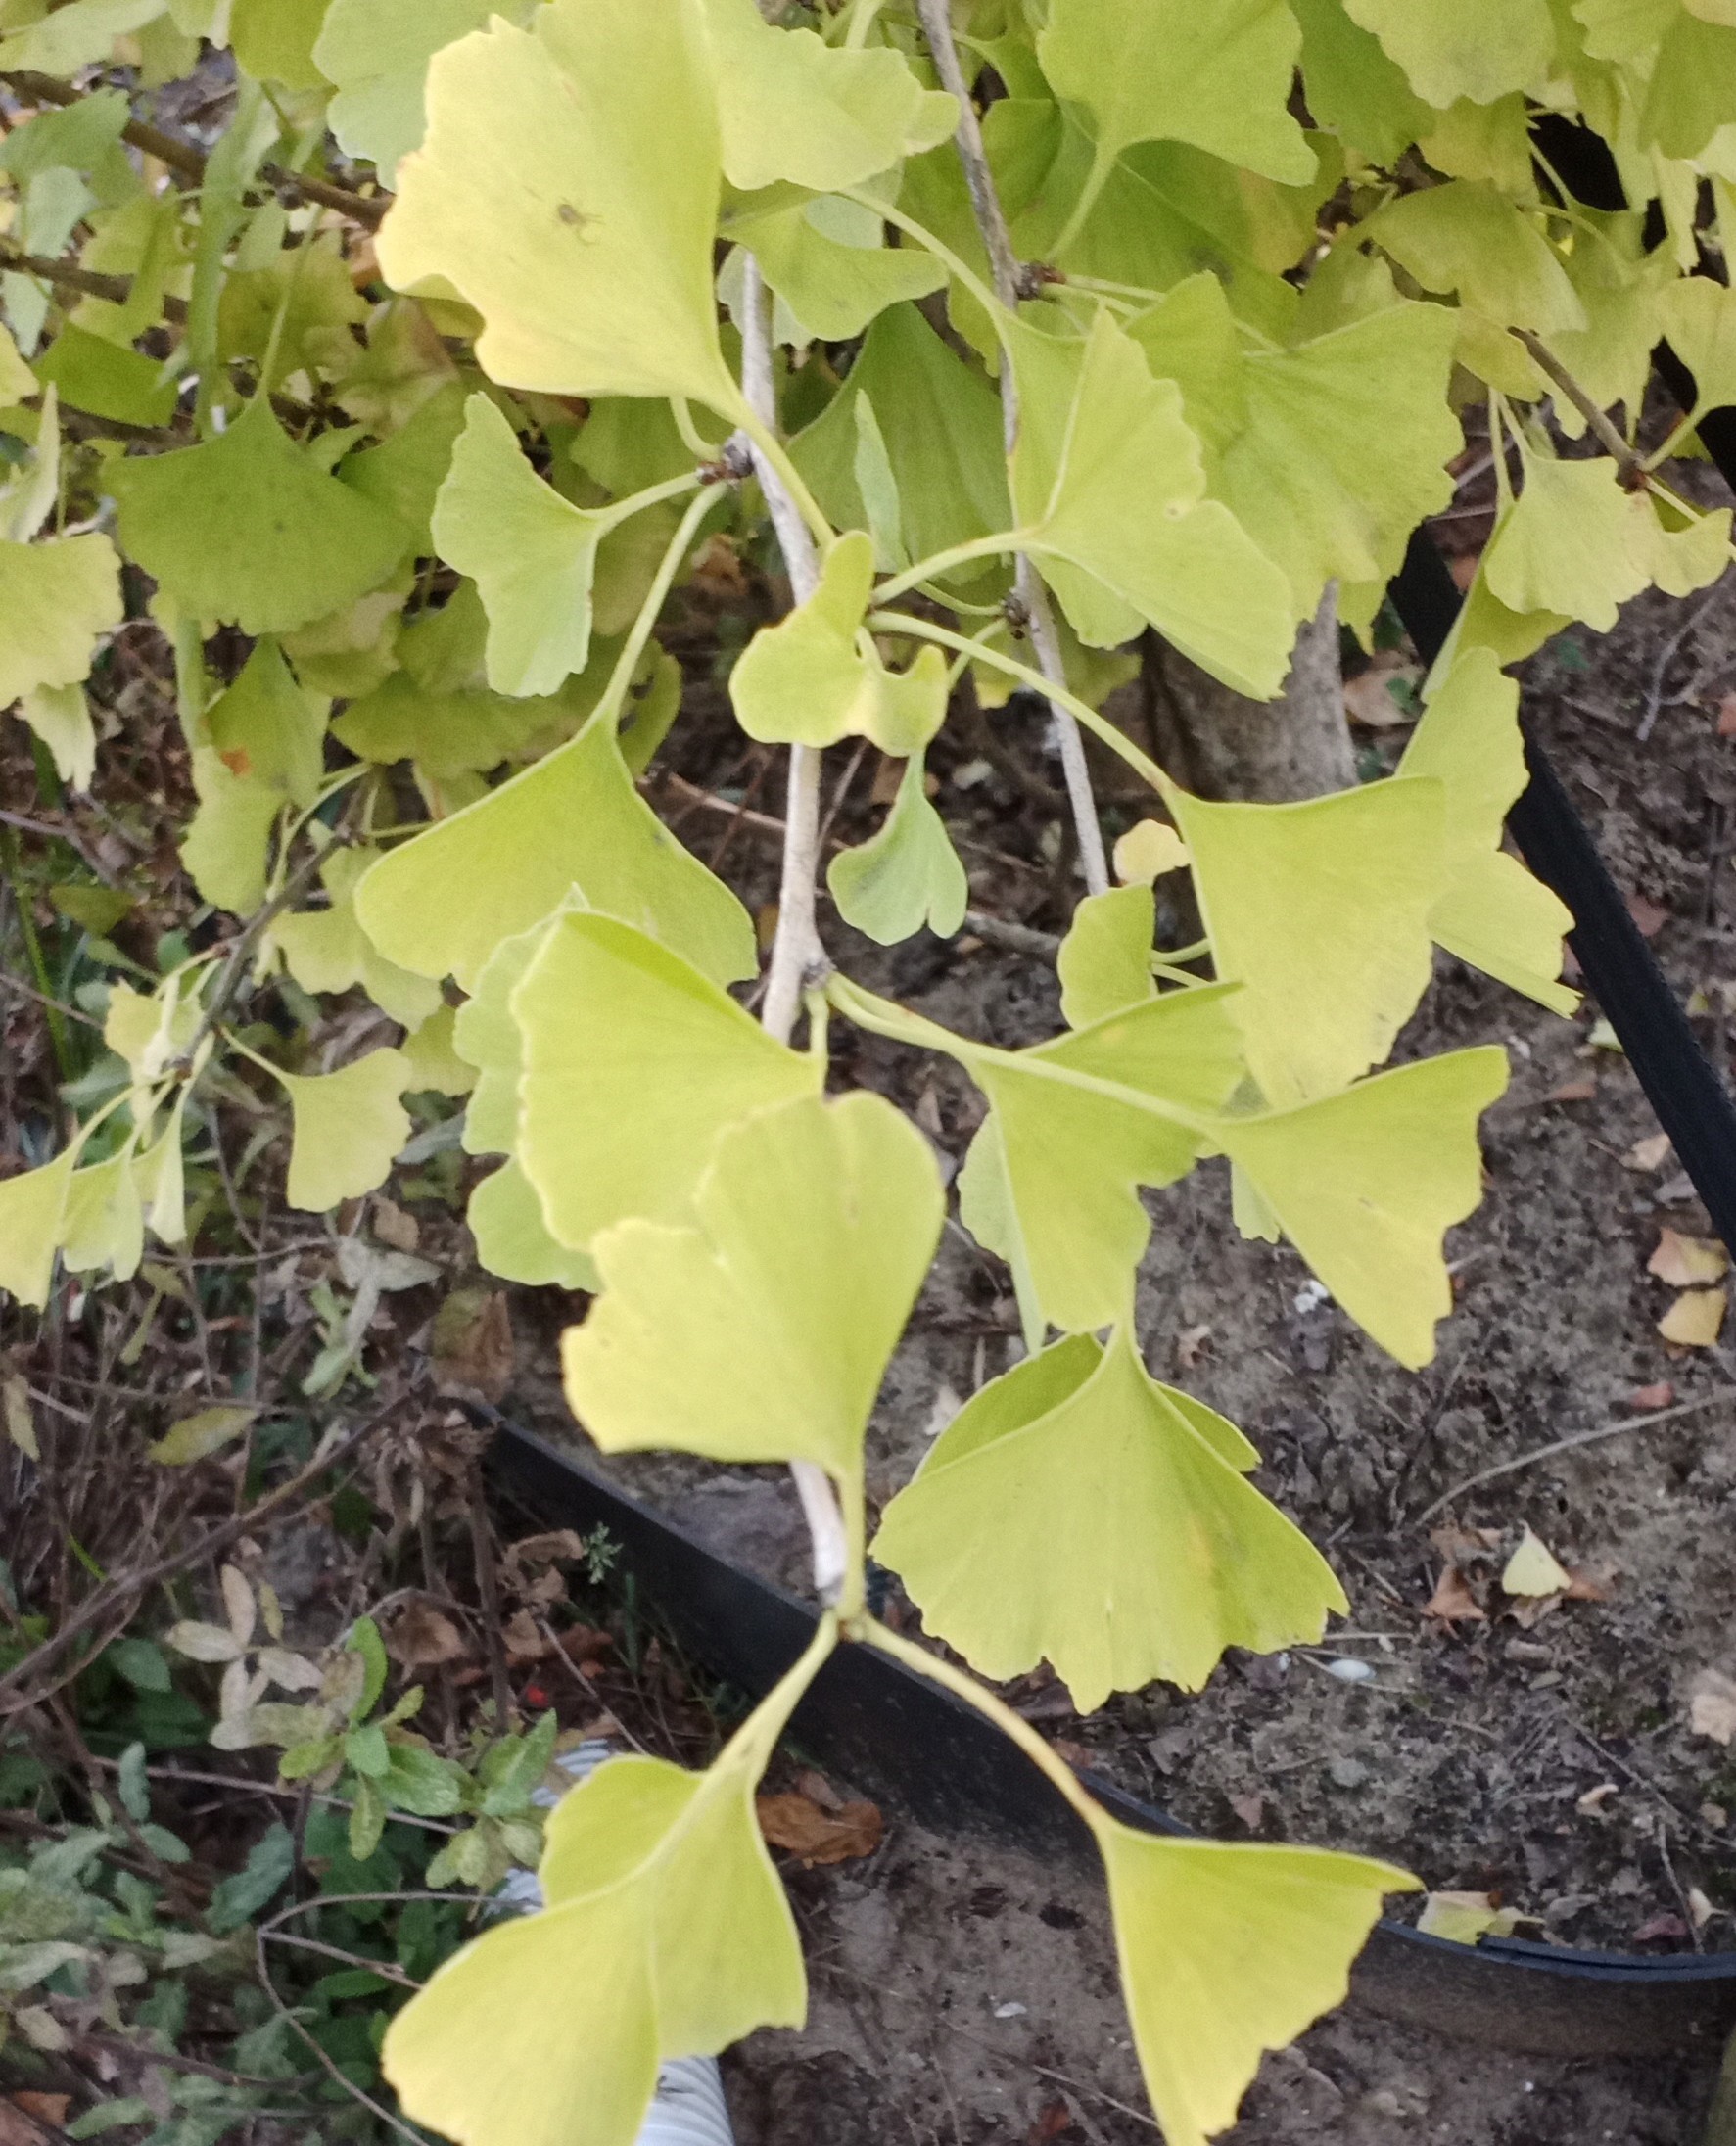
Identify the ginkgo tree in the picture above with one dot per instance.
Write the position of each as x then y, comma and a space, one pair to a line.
410, 401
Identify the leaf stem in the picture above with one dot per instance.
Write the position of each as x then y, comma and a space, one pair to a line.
943, 561
1016, 1729
991, 223
1628, 461
796, 951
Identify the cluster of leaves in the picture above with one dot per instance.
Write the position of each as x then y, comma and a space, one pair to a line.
410, 552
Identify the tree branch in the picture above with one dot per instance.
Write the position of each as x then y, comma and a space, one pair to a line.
116, 289
796, 951
1033, 597
1629, 463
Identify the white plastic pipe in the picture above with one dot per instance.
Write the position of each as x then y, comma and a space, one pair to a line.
688, 2107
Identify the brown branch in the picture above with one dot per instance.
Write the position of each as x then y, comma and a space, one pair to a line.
1628, 460
116, 289
189, 160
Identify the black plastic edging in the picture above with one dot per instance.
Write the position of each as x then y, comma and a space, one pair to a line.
911, 1744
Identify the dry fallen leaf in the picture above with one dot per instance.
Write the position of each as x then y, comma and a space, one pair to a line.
1386, 694
1701, 1908
1648, 1154
1727, 716
1584, 1585
196, 1437
421, 1636
1464, 1917
472, 1344
1250, 1810
523, 1641
14, 1410
1647, 914
394, 1225
1581, 1091
17, 2129
1647, 1399
1688, 1262
1695, 1320
1591, 1804
1534, 1569
1191, 1344
1452, 1601
1661, 1927
45, 2108
815, 1836
1711, 1706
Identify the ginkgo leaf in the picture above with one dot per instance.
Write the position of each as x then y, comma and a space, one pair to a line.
1148, 850
1077, 1512
816, 675
827, 260
77, 37
1227, 1951
1077, 1126
485, 1035
453, 734
444, 902
531, 553
1476, 49
266, 728
1366, 1184
512, 1239
1533, 1569
1165, 70
327, 951
1469, 238
349, 1128
1353, 87
1679, 550
32, 1215
763, 1332
1566, 545
1493, 913
104, 1225
248, 530
1691, 97
633, 1063
1105, 963
17, 383
794, 108
226, 849
1320, 910
377, 53
545, 195
1699, 317
55, 598
905, 876
1108, 477
664, 1933
60, 716
436, 1068
1329, 452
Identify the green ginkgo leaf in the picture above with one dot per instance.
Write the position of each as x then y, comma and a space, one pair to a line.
763, 1332
827, 260
531, 553
248, 531
1365, 1186
436, 1068
55, 598
1227, 1951
227, 846
546, 196
327, 951
816, 675
1476, 49
1105, 963
664, 1933
1329, 452
17, 383
1691, 96
104, 1226
377, 53
1164, 71
1567, 544
822, 116
1466, 237
1493, 913
1078, 1511
1353, 87
60, 716
905, 877
444, 902
265, 728
1699, 317
1108, 477
1320, 910
349, 1129
1678, 549
633, 1063
33, 1219
512, 1239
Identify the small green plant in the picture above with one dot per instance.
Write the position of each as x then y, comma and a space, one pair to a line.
1028, 327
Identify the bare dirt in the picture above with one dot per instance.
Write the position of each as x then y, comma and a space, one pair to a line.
1546, 1761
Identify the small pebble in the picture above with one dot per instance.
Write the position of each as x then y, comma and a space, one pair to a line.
1351, 1672
1009, 2010
1347, 1773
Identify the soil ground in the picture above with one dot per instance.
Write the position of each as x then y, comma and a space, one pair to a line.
1549, 1763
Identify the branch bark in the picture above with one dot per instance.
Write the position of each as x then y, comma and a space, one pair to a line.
796, 951
1033, 597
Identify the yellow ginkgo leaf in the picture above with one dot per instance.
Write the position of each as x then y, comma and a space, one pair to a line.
1105, 963
1568, 545
1695, 1320
349, 1127
512, 1239
816, 675
1534, 1569
1320, 910
444, 902
665, 1935
763, 1334
1226, 1952
1365, 1186
1077, 1510
544, 194
633, 1063
1492, 914
104, 1219
1148, 850
327, 951
32, 1218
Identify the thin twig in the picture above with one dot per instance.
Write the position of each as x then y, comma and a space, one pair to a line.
797, 953
488, 1589
116, 289
1628, 460
1032, 596
327, 2064
41, 998
1569, 1445
118, 2045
